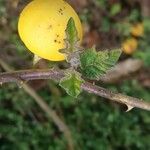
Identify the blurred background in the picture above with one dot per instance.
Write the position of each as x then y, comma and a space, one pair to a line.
94, 123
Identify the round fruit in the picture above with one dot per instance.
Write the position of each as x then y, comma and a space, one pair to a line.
137, 30
130, 45
42, 26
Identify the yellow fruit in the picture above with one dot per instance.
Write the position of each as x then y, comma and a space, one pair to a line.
42, 25
137, 30
130, 45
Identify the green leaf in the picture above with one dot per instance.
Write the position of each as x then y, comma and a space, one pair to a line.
72, 48
115, 9
72, 83
71, 37
71, 32
95, 64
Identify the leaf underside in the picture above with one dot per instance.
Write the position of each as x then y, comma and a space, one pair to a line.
72, 83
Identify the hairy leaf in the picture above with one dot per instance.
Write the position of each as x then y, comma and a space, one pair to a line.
94, 64
72, 83
71, 32
72, 39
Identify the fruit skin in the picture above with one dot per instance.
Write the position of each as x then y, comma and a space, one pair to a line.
137, 30
42, 25
130, 45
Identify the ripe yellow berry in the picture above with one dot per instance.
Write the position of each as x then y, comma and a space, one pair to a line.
137, 30
42, 25
130, 45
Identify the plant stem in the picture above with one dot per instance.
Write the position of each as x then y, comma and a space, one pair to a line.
26, 75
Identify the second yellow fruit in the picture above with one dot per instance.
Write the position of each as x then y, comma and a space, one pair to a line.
130, 45
137, 30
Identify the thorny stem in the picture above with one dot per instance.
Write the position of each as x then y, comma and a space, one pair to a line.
120, 98
26, 75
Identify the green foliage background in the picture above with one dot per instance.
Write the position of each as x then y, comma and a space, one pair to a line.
96, 124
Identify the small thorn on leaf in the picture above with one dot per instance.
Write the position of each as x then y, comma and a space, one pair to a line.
36, 59
129, 108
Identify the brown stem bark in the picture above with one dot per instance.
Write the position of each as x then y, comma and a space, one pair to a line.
25, 75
